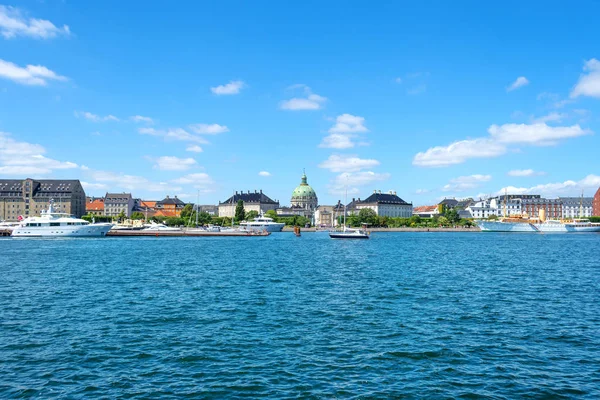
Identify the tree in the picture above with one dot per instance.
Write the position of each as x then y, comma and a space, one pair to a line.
251, 215
204, 218
368, 216
452, 216
240, 213
137, 215
187, 211
121, 217
272, 214
493, 217
443, 220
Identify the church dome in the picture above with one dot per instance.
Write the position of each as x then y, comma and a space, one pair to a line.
304, 195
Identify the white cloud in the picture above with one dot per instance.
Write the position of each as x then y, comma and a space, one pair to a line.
554, 97
337, 141
131, 182
590, 184
34, 75
347, 123
346, 128
524, 172
422, 191
310, 102
197, 180
140, 118
458, 152
194, 149
23, 158
13, 23
264, 173
588, 84
520, 82
94, 186
538, 134
209, 129
168, 163
552, 117
232, 87
463, 183
398, 80
173, 134
347, 163
354, 180
94, 117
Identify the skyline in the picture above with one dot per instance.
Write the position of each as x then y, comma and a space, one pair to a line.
397, 97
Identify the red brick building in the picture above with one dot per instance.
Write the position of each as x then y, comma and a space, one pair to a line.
596, 204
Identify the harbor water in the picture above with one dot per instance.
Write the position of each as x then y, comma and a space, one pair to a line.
413, 315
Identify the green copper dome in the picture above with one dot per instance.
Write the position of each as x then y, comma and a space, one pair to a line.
304, 191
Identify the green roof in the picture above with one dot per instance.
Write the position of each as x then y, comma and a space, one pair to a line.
304, 190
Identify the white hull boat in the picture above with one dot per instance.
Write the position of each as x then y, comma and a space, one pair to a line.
53, 224
262, 223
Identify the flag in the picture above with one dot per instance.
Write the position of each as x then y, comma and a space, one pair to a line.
20, 218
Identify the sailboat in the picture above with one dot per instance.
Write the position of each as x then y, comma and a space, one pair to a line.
349, 233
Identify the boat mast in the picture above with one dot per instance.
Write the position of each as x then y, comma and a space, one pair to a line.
505, 194
197, 206
345, 202
232, 209
581, 205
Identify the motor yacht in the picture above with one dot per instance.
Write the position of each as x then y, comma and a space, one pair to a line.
262, 223
57, 224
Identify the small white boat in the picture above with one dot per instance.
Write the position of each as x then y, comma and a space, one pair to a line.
56, 224
349, 233
153, 226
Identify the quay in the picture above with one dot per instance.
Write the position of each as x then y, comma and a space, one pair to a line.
131, 233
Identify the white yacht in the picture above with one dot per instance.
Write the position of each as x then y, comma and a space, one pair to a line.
349, 233
262, 223
153, 226
56, 224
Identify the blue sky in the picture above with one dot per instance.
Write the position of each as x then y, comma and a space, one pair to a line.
429, 99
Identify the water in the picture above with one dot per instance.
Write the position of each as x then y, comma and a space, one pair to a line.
417, 315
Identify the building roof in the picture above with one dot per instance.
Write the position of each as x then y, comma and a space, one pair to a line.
170, 201
425, 209
117, 197
40, 185
249, 197
166, 213
577, 201
383, 198
449, 202
95, 205
464, 203
146, 204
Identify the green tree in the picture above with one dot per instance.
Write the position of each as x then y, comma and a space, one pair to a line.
204, 218
137, 215
452, 216
272, 214
368, 216
443, 221
121, 217
415, 219
187, 211
251, 215
240, 213
493, 217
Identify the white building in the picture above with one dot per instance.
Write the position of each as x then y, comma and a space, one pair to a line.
384, 204
257, 201
324, 216
576, 207
496, 206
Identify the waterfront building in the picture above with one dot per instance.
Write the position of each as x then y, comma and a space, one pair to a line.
209, 209
498, 206
94, 206
532, 207
169, 207
117, 203
576, 207
292, 211
29, 197
253, 201
324, 216
305, 197
596, 204
384, 204
447, 204
426, 211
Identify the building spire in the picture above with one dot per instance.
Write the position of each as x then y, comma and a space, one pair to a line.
304, 182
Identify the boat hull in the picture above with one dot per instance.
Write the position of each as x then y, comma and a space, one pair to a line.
92, 230
347, 236
274, 227
498, 226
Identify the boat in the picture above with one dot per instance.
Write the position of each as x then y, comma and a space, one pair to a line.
262, 223
155, 227
349, 233
57, 224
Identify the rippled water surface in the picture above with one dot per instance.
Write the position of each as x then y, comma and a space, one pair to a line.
419, 315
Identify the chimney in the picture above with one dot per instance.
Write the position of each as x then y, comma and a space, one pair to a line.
236, 192
255, 191
380, 192
375, 191
260, 191
353, 199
